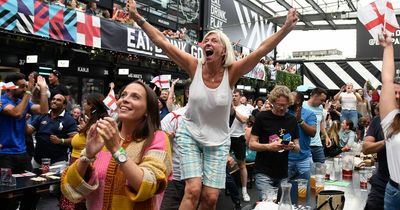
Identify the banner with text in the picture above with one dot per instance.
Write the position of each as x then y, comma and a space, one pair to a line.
241, 23
52, 21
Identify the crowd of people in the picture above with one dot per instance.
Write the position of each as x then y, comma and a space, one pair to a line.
151, 153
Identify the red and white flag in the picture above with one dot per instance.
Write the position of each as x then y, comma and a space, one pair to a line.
110, 101
161, 81
8, 86
88, 30
374, 15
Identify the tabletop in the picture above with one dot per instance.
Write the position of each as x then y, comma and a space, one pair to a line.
25, 183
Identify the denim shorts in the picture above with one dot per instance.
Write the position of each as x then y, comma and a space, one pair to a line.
264, 183
197, 160
392, 197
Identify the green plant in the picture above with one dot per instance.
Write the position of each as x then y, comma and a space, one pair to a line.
288, 79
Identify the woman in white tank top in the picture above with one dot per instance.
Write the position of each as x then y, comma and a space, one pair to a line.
390, 119
349, 99
205, 128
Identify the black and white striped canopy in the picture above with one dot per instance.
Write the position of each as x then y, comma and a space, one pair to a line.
333, 75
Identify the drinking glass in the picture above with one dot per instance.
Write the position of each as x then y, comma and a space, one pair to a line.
45, 165
348, 164
319, 183
270, 195
302, 188
6, 177
328, 169
363, 179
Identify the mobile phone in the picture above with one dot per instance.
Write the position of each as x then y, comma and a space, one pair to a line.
286, 139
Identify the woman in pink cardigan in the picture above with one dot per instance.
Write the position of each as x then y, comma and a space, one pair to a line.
123, 165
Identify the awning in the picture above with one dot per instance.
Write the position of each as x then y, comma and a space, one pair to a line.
334, 74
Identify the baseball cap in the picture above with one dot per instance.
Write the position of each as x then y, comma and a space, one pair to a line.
57, 73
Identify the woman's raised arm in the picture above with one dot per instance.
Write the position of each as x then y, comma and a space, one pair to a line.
181, 58
387, 94
246, 64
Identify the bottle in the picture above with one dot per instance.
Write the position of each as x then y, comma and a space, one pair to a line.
286, 202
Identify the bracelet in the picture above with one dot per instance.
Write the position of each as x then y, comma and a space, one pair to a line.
84, 158
300, 122
28, 92
62, 140
141, 21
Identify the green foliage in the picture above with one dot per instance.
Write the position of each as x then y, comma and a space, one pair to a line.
288, 79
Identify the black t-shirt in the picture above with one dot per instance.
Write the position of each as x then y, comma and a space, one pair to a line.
375, 130
273, 164
58, 89
255, 112
334, 115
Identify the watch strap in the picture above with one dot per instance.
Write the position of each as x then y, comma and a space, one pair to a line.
118, 153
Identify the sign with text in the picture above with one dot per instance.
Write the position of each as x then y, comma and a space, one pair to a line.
241, 23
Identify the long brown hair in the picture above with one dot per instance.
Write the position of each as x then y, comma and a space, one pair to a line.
98, 110
394, 127
150, 123
333, 132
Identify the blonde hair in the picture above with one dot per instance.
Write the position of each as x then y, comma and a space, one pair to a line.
279, 91
229, 52
333, 132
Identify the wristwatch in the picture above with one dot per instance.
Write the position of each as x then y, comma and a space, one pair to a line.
120, 156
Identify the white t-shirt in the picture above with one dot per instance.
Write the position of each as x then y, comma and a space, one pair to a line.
392, 147
348, 101
237, 128
170, 124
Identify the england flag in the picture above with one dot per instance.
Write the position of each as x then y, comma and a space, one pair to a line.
161, 81
377, 15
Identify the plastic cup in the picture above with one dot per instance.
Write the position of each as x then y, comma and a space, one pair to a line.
45, 165
270, 194
302, 188
319, 183
312, 181
328, 169
348, 166
6, 177
363, 179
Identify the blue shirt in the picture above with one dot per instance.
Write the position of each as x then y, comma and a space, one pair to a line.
12, 130
309, 117
62, 126
319, 112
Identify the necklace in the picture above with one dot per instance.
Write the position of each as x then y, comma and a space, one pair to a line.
212, 79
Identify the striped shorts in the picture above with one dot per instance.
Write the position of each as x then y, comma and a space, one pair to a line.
197, 160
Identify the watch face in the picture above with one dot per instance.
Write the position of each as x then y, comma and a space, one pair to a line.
122, 158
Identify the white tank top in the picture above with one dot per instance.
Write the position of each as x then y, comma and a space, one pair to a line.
207, 116
348, 101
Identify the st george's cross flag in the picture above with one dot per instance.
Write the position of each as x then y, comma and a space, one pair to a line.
161, 81
374, 15
110, 101
8, 86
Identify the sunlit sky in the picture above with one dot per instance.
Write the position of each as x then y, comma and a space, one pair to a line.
343, 40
